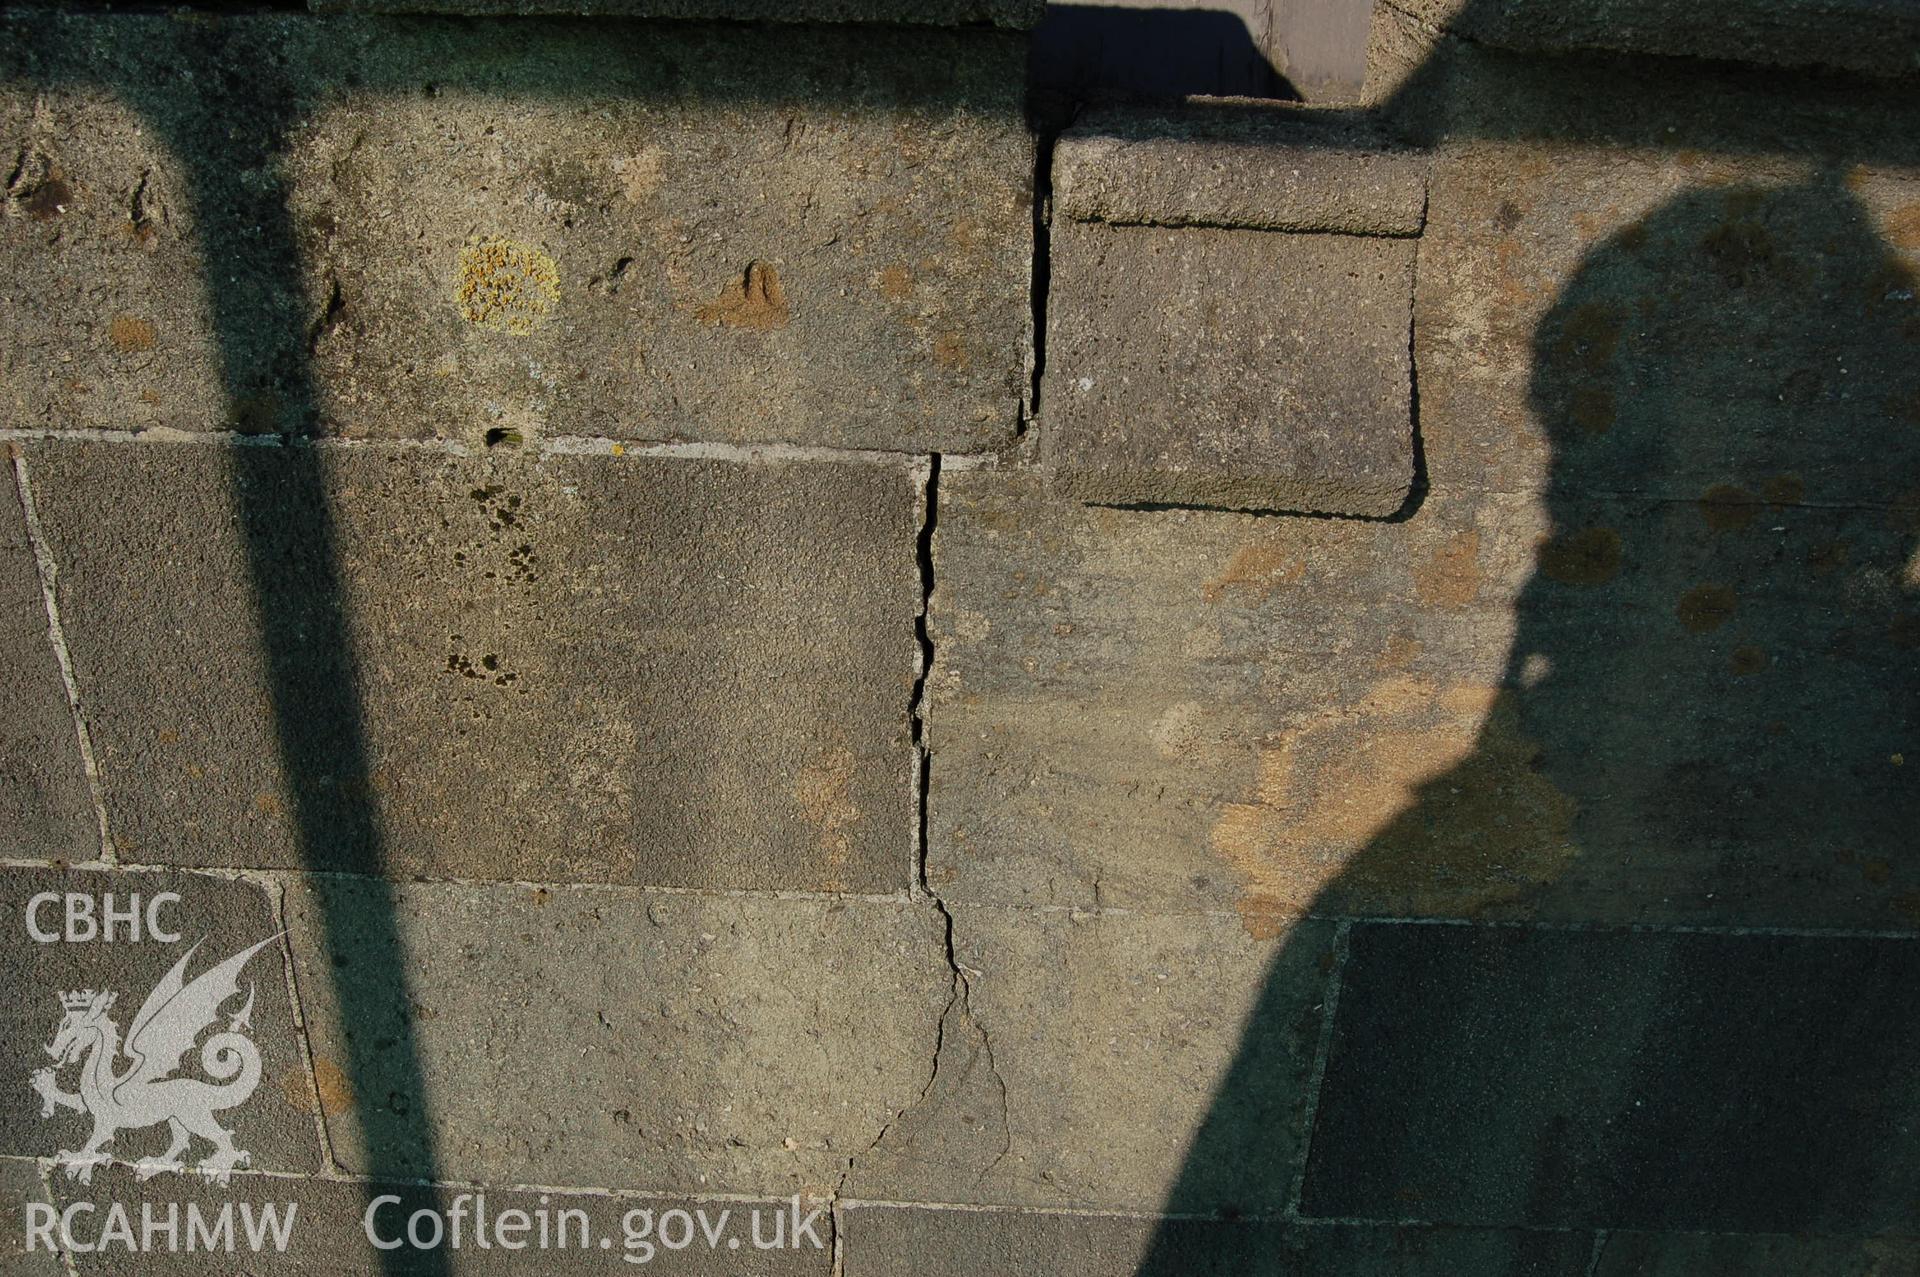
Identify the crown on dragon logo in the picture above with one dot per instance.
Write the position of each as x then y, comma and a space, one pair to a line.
152, 1089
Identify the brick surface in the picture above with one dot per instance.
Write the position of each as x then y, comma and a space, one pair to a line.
817, 236
45, 808
665, 1042
328, 1236
1745, 1083
1236, 164
274, 1125
1705, 1255
1233, 368
1100, 1041
883, 1241
576, 668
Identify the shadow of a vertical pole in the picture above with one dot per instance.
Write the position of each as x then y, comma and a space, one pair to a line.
229, 134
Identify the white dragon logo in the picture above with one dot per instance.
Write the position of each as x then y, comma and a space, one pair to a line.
145, 1094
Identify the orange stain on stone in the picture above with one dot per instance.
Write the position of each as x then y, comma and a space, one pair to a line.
1255, 572
1450, 577
1418, 796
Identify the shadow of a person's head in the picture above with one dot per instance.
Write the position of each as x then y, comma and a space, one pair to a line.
1715, 653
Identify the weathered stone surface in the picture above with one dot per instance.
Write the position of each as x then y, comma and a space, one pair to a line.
944, 13
328, 1233
1628, 1254
586, 1036
1237, 164
884, 1241
1101, 1041
645, 231
274, 1126
1513, 1075
565, 668
1576, 308
45, 808
1690, 711
1230, 368
1877, 36
21, 1256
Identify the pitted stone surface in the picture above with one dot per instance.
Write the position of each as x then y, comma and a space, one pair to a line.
1240, 369
632, 1040
1237, 164
654, 231
573, 668
274, 1125
45, 808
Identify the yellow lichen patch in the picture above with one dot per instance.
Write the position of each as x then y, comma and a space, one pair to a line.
130, 335
506, 286
1255, 572
824, 792
1450, 577
755, 301
1419, 797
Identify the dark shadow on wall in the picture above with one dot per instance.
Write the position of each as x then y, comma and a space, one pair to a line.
1110, 52
230, 128
1711, 685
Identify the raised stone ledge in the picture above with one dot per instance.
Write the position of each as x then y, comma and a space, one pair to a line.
1238, 164
1236, 369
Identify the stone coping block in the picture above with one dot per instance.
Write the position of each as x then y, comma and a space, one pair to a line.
572, 667
1238, 164
657, 1041
886, 1241
1017, 14
1621, 1079
1238, 369
1879, 37
389, 227
212, 918
45, 807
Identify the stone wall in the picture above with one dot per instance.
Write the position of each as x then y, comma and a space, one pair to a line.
1240, 688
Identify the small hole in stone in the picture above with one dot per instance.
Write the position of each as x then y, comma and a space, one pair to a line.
504, 437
